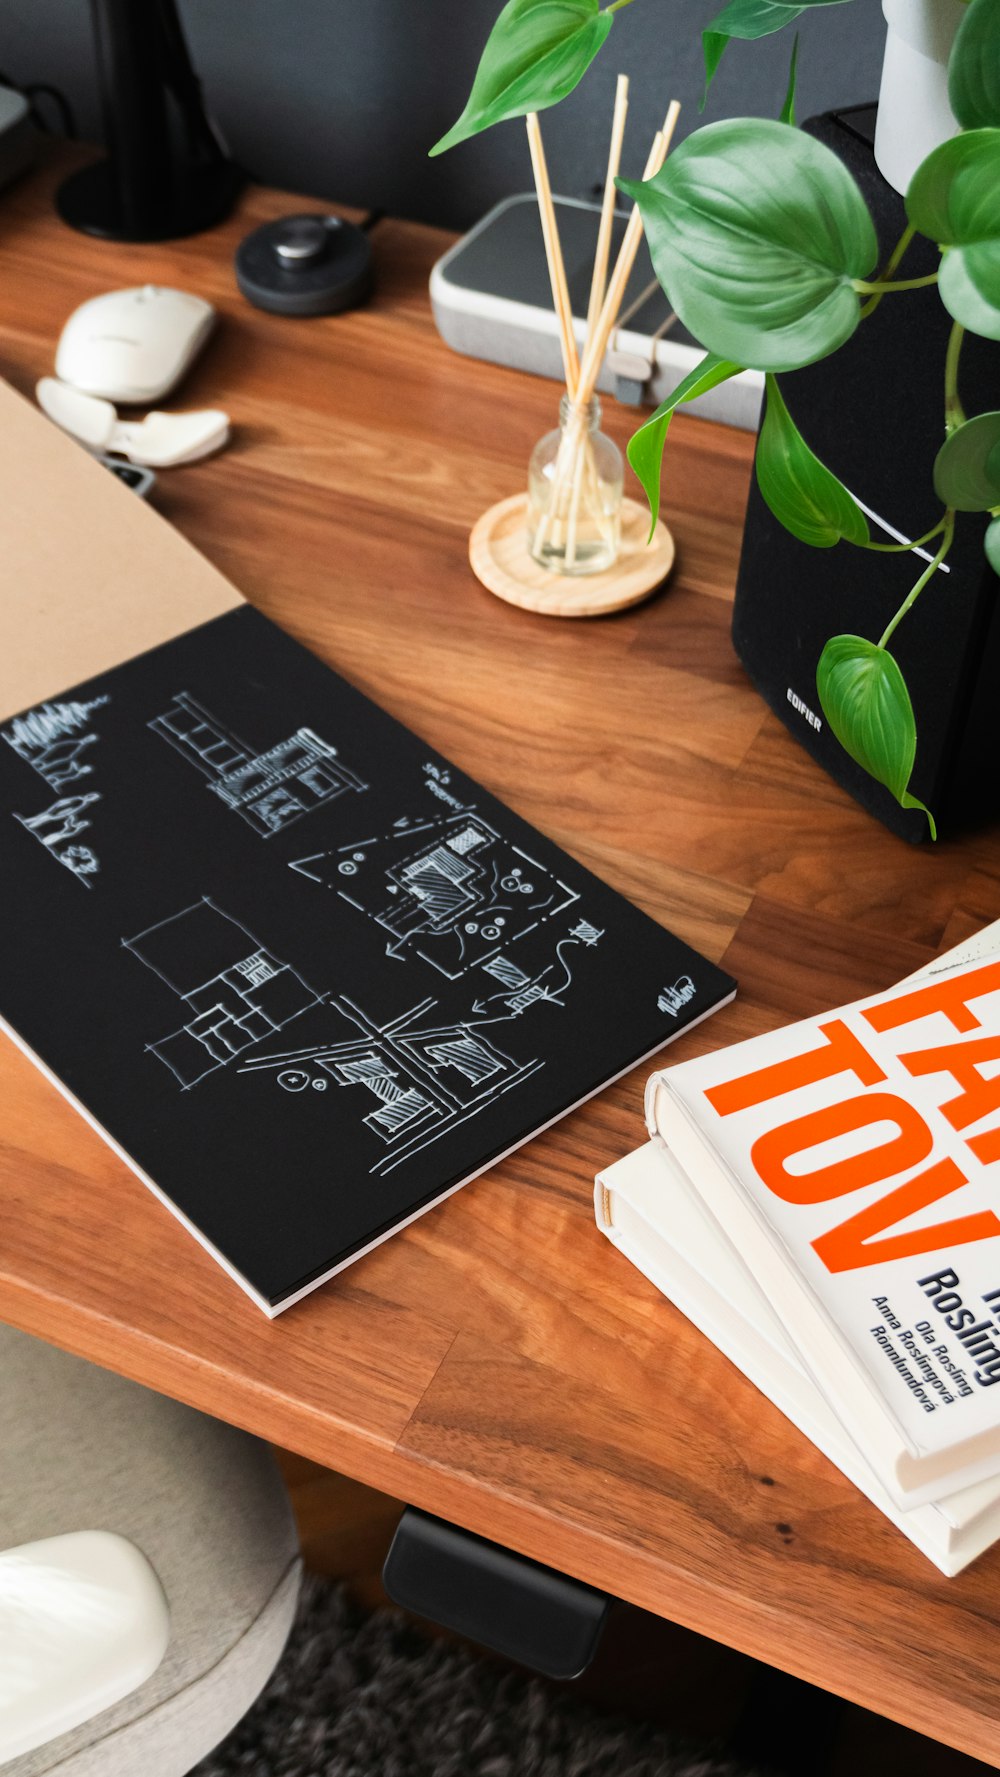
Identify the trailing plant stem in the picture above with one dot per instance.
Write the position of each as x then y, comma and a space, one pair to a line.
894, 258
880, 288
915, 591
954, 414
618, 4
902, 548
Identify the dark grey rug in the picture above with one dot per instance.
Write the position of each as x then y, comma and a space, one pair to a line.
365, 1695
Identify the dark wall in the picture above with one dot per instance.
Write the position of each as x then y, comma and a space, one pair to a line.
342, 98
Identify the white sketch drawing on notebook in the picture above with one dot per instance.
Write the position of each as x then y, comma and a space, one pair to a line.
60, 822
518, 990
271, 788
235, 991
585, 933
54, 740
451, 889
425, 1081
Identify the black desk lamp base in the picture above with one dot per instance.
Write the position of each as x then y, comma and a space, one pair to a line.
167, 172
90, 200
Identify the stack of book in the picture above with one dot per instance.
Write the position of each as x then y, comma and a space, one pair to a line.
823, 1203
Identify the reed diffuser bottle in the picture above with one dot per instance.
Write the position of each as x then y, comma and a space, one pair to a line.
575, 481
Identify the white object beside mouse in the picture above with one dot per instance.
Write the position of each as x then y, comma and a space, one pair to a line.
157, 442
133, 345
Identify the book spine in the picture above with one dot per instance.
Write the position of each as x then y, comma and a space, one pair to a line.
789, 1392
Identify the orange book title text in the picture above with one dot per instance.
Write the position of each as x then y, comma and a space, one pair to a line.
865, 1238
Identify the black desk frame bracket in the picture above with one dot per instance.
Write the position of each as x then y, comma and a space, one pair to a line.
531, 1614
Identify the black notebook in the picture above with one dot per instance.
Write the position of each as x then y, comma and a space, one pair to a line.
304, 975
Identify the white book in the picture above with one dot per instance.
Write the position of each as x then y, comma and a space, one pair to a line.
652, 1214
853, 1159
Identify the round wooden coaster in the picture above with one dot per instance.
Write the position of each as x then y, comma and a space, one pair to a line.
498, 553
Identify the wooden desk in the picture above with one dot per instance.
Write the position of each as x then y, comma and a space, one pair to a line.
497, 1363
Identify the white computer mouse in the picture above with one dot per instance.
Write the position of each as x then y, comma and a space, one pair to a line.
133, 345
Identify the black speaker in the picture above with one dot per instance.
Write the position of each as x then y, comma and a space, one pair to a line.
873, 413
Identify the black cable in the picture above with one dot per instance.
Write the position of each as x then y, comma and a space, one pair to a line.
41, 89
61, 103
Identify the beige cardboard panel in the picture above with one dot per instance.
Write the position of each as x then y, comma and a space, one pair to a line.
89, 574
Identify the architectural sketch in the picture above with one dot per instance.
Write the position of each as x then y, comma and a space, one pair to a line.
235, 992
585, 933
449, 889
268, 789
61, 821
506, 972
424, 1081
518, 990
51, 740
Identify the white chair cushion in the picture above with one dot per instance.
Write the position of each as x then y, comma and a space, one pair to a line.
82, 1450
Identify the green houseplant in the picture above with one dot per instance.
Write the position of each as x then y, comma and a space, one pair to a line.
765, 247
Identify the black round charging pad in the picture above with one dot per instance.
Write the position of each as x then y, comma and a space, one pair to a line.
305, 265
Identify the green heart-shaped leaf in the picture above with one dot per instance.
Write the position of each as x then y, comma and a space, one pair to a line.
969, 285
991, 545
974, 67
864, 698
804, 495
645, 447
755, 232
954, 199
787, 112
535, 54
746, 19
967, 467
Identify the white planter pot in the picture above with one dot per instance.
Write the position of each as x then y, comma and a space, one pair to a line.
914, 115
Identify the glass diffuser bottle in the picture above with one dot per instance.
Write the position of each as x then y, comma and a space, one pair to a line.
575, 481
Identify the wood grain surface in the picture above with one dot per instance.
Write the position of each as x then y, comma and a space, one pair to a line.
497, 1363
